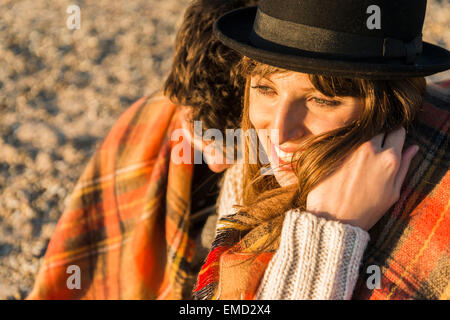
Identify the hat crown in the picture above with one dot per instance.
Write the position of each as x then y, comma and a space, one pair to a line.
373, 39
399, 19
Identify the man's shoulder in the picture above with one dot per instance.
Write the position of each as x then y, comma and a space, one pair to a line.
147, 109
141, 129
154, 110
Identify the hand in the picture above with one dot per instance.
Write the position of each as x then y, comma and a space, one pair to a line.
367, 184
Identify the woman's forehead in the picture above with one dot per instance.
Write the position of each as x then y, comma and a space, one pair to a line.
298, 78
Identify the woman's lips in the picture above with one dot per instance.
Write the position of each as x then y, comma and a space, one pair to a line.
288, 150
283, 158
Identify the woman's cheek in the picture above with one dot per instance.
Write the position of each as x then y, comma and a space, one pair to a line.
260, 114
256, 118
321, 122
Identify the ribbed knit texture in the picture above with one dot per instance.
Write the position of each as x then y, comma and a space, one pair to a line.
317, 258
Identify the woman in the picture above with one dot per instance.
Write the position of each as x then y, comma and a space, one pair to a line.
347, 101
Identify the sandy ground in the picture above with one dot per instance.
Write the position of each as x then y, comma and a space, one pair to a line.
61, 91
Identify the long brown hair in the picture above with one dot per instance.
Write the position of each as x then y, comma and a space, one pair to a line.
387, 105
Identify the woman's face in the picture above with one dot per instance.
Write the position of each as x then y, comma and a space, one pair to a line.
289, 103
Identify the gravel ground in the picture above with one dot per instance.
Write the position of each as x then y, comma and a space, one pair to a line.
61, 91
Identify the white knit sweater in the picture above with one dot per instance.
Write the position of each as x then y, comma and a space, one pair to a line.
317, 258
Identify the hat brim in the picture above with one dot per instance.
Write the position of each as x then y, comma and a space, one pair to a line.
234, 29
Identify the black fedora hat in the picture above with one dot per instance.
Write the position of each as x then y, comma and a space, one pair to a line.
372, 39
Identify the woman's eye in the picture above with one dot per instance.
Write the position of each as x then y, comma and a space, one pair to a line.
265, 90
324, 102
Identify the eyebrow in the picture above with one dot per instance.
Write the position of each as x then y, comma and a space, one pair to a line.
307, 89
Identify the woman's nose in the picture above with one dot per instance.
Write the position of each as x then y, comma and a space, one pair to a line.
289, 121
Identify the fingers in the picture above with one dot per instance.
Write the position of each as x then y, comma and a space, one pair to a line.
378, 140
407, 156
395, 140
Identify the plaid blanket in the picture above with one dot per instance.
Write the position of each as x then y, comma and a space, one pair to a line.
127, 224
410, 244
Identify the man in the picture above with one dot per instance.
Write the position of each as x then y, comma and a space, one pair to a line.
128, 231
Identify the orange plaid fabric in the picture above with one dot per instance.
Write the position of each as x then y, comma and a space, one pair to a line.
126, 226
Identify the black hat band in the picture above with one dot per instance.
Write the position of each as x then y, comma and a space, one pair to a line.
269, 31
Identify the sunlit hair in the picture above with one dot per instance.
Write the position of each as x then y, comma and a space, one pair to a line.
387, 105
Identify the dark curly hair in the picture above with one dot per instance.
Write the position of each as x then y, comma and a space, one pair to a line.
204, 73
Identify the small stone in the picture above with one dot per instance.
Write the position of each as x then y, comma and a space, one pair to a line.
9, 154
70, 154
37, 134
38, 248
43, 162
5, 249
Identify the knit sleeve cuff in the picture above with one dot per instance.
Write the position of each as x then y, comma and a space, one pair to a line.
316, 259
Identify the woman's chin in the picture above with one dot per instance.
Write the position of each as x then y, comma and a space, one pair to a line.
285, 178
217, 168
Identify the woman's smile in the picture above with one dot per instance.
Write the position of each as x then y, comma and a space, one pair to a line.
281, 157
